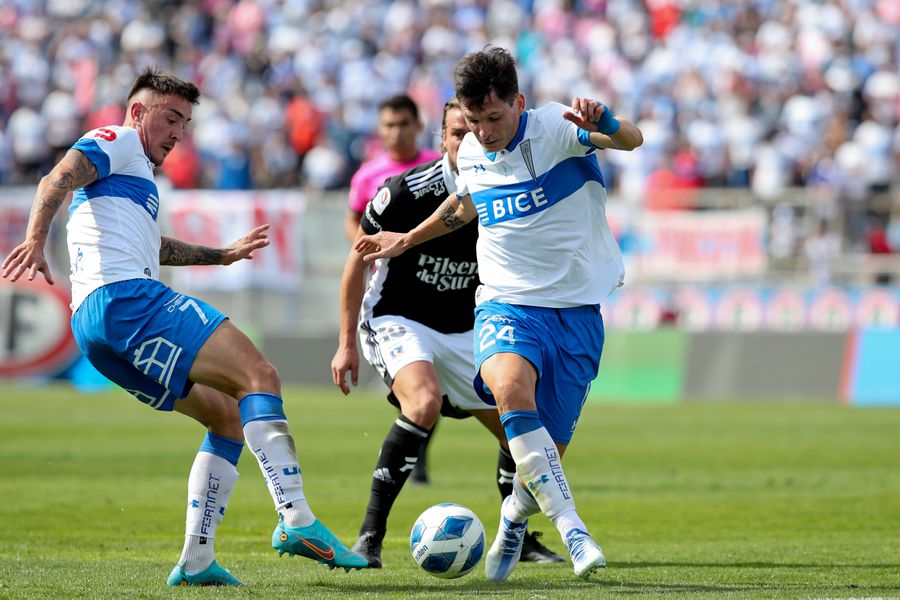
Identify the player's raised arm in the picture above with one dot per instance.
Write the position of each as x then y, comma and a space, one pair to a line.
177, 253
72, 172
452, 214
605, 130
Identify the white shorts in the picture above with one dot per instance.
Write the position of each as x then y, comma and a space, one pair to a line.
390, 343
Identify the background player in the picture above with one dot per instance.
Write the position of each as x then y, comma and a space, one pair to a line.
398, 129
171, 351
416, 330
547, 259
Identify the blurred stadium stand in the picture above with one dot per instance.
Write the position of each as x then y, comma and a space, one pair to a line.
771, 155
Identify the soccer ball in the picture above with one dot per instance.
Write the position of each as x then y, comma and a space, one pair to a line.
447, 540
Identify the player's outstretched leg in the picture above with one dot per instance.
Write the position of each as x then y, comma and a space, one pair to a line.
532, 549
538, 466
212, 478
298, 531
396, 460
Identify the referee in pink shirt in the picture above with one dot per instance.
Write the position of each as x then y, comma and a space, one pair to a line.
398, 128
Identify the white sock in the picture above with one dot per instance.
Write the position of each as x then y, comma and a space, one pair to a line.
273, 446
209, 487
521, 506
539, 467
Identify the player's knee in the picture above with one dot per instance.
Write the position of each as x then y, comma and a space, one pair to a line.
512, 394
264, 378
422, 409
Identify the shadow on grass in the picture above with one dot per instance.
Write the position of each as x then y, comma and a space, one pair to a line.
752, 565
609, 585
473, 587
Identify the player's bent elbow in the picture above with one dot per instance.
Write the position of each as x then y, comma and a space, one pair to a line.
635, 138
639, 139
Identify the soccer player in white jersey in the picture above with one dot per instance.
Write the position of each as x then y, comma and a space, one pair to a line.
171, 351
546, 259
413, 317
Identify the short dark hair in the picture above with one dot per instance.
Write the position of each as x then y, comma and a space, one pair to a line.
480, 73
451, 103
163, 83
400, 102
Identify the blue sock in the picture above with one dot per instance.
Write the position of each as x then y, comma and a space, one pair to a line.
224, 447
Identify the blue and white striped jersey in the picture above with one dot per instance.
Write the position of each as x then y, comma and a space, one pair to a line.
543, 237
112, 230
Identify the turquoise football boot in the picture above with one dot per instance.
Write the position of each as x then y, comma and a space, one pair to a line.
317, 543
211, 575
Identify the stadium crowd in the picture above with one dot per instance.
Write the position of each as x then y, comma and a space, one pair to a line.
756, 94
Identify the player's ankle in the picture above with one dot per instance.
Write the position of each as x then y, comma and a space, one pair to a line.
297, 514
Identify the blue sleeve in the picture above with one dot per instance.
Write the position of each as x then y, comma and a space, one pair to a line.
584, 138
98, 157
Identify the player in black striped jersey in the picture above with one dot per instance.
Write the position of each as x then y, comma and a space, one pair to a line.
414, 319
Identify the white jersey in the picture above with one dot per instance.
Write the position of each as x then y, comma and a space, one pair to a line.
543, 239
112, 229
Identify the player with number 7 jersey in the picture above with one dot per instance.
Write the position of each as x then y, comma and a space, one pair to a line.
171, 351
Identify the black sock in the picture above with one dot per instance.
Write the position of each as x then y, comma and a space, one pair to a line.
506, 470
395, 462
422, 463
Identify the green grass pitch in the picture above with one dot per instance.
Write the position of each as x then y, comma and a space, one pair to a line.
765, 500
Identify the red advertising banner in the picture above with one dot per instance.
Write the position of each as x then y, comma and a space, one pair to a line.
700, 246
216, 219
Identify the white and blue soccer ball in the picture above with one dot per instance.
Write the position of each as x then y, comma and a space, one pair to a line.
447, 540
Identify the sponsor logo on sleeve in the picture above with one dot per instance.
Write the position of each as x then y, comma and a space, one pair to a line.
381, 200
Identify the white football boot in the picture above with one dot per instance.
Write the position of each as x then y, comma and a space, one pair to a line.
586, 555
504, 554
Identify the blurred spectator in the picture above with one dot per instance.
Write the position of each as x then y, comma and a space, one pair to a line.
821, 249
878, 244
182, 165
304, 122
755, 93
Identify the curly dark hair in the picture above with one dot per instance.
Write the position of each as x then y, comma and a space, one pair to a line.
480, 73
163, 83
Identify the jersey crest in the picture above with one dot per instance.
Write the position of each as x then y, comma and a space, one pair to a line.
525, 149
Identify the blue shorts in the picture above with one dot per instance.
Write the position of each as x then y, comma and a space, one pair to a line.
563, 344
144, 336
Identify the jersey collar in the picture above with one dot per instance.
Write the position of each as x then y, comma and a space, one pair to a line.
449, 174
523, 121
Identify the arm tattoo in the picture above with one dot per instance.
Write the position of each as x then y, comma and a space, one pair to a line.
176, 253
448, 217
72, 172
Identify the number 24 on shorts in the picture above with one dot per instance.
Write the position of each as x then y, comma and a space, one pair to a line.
489, 334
